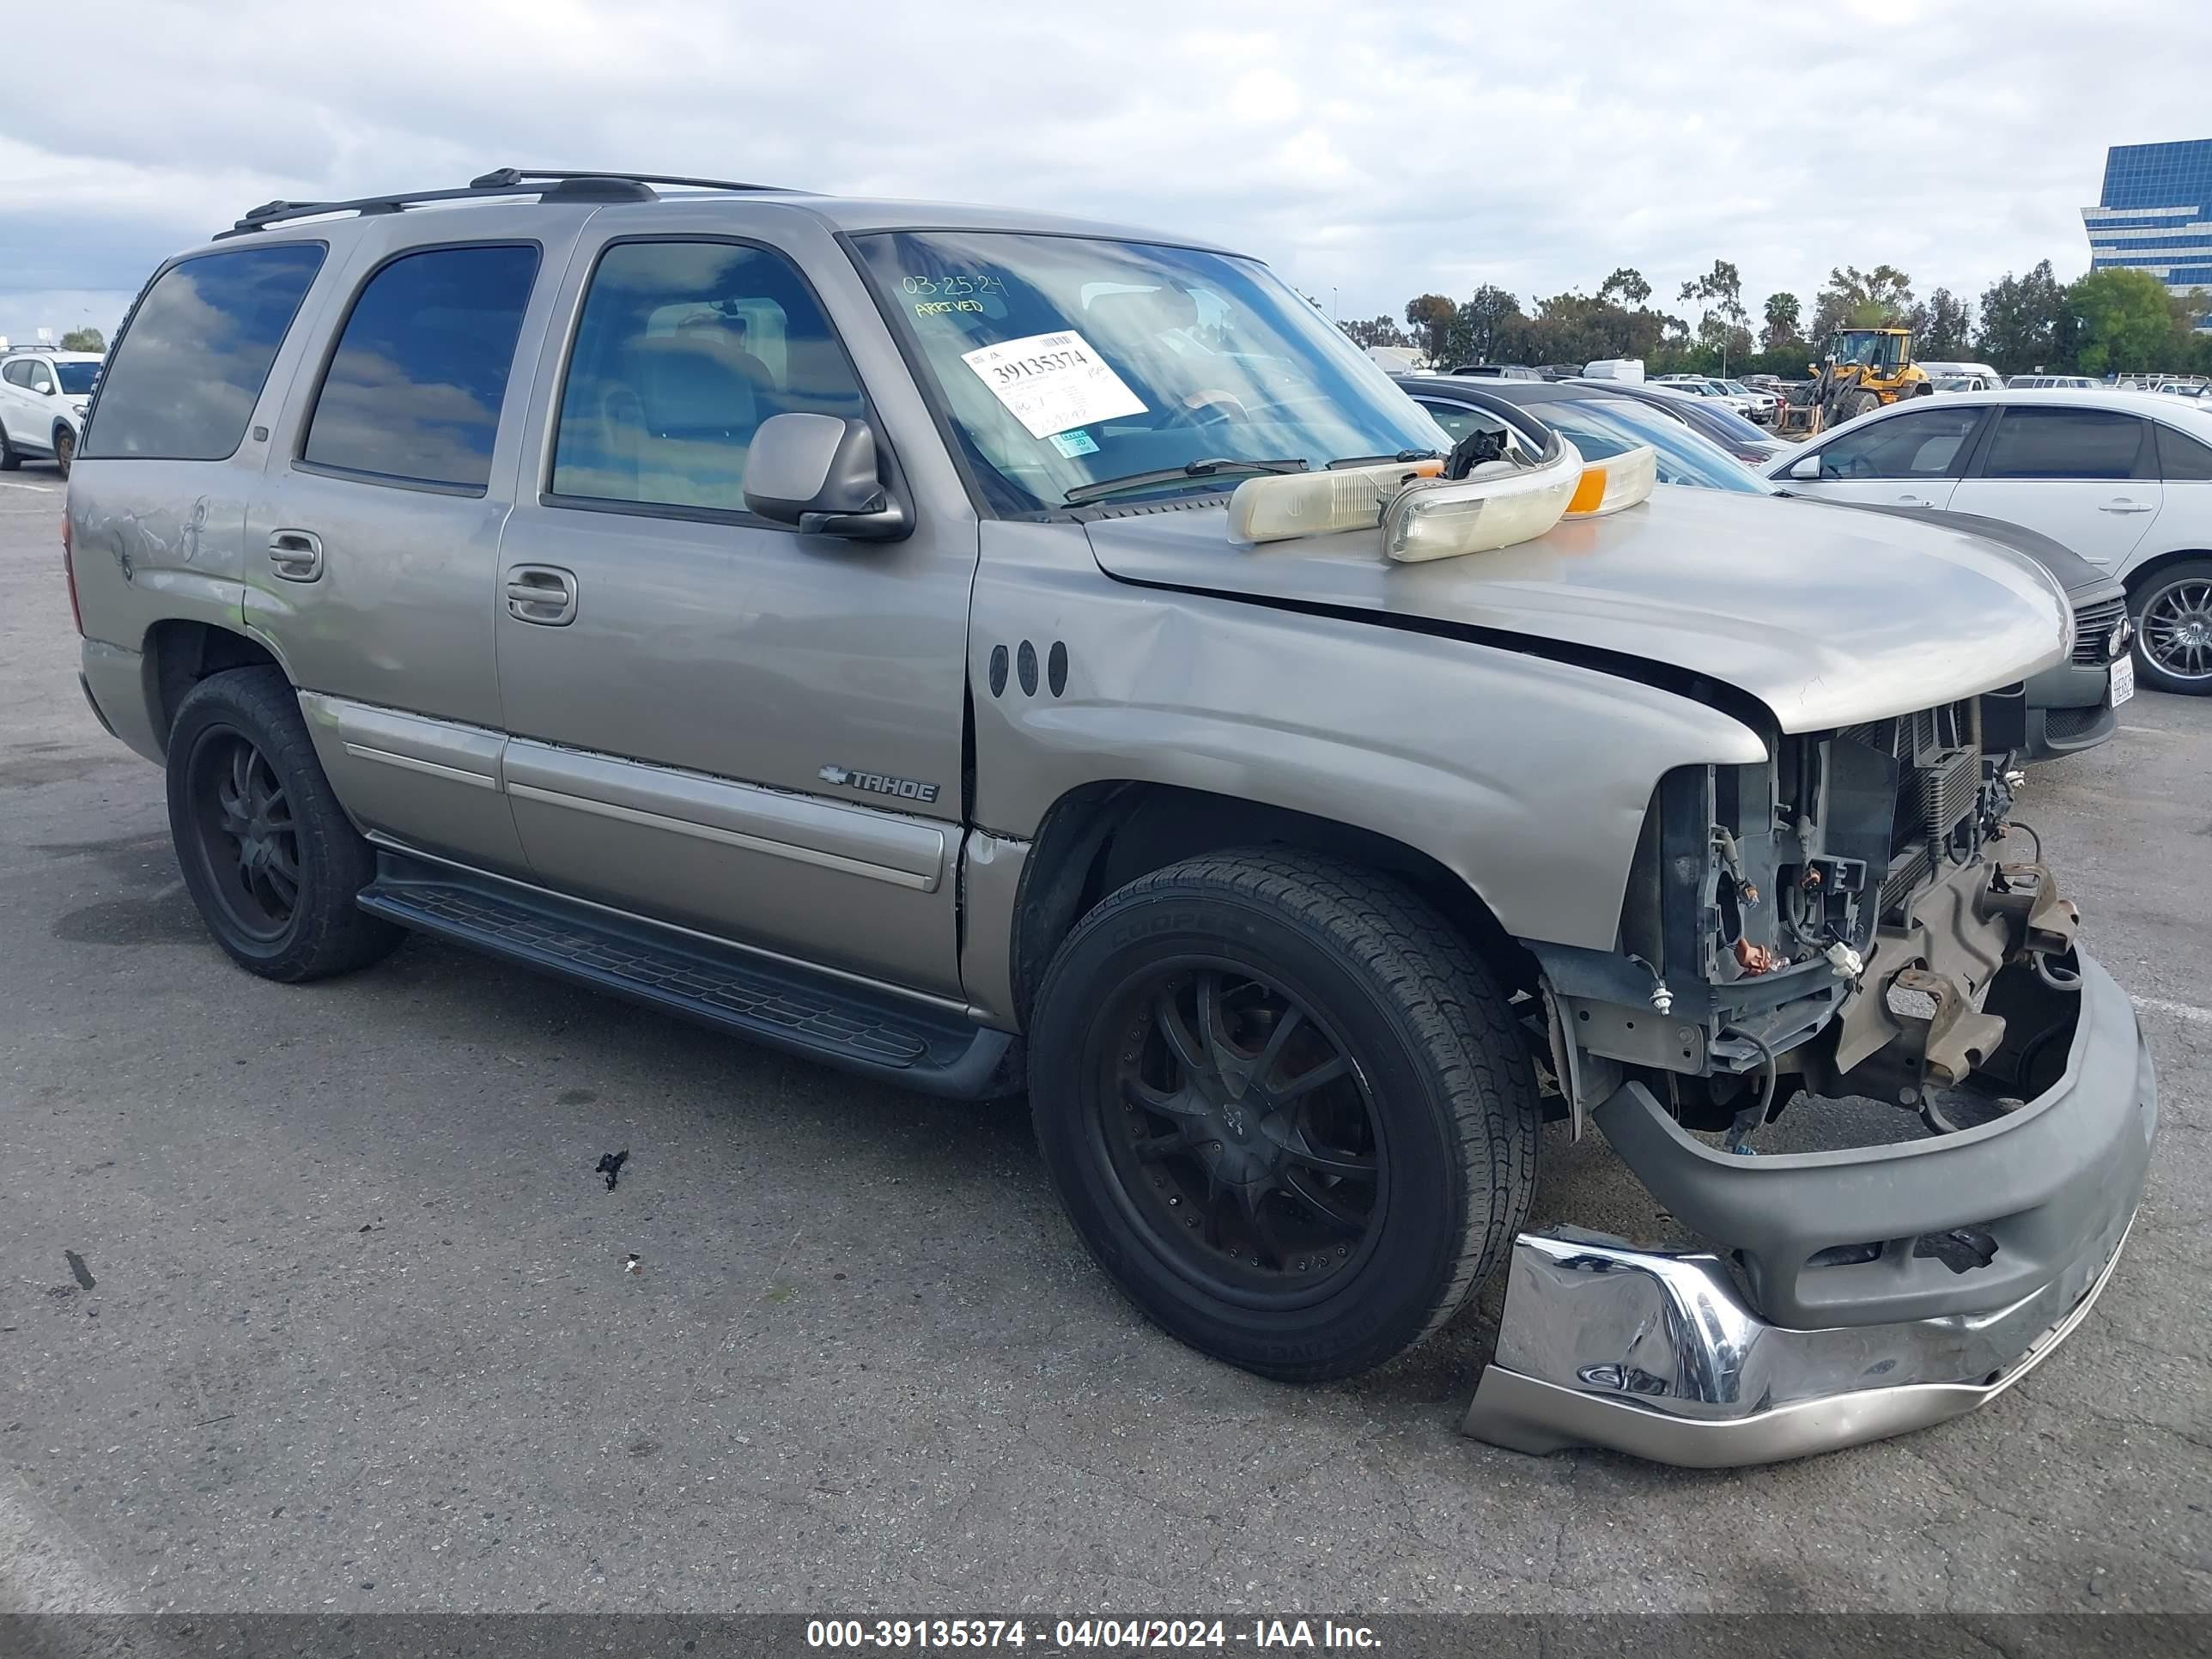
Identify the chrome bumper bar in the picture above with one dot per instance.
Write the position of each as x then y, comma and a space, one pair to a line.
1655, 1354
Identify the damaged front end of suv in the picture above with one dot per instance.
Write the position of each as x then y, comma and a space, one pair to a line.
1856, 918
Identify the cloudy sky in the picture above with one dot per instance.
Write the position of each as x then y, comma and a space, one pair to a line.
1371, 151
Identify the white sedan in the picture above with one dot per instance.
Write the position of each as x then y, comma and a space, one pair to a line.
2123, 478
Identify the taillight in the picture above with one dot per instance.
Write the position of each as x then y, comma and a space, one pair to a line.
69, 569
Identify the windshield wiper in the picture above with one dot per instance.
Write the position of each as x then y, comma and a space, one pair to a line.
1205, 469
1402, 457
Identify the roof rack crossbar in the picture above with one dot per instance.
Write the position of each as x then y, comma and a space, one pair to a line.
503, 181
510, 176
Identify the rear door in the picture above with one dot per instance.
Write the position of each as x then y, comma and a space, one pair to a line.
714, 720
1912, 459
2087, 477
371, 548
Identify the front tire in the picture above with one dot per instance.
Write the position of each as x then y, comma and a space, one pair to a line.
1286, 1108
268, 854
64, 449
10, 457
2172, 612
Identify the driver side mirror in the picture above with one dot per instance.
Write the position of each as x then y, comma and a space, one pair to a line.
1806, 467
821, 474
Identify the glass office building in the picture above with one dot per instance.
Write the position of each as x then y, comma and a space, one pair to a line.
2155, 214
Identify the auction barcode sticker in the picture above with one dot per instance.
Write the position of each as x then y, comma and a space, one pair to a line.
1051, 382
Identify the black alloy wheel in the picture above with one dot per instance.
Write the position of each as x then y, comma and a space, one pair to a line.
1241, 1130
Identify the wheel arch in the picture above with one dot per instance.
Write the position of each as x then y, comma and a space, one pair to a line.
1099, 836
178, 654
2139, 577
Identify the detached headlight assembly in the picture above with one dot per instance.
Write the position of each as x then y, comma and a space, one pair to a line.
1495, 506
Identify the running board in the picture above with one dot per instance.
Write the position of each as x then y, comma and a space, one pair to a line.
877, 1034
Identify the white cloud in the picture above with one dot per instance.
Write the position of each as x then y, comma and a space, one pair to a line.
1379, 151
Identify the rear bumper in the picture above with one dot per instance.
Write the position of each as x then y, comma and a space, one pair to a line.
1687, 1356
115, 682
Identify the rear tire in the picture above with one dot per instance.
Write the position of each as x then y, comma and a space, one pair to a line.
268, 854
1303, 1229
2172, 614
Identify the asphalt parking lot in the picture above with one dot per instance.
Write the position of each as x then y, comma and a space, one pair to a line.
313, 1301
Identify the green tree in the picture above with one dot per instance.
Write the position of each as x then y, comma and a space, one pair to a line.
1881, 298
1939, 328
1483, 330
2026, 323
2126, 322
1430, 316
1626, 288
84, 339
1721, 323
1375, 331
1783, 316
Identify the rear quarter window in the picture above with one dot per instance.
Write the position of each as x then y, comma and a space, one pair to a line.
2183, 459
182, 382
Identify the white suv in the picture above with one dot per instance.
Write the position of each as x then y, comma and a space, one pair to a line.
43, 396
2123, 478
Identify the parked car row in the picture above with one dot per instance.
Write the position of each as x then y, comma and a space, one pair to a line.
983, 650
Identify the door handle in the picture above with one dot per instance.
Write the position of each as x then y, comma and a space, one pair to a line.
1914, 501
2121, 504
542, 593
296, 556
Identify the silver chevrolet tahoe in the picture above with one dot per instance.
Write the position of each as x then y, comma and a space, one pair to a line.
959, 646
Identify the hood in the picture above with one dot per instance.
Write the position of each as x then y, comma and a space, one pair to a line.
1826, 616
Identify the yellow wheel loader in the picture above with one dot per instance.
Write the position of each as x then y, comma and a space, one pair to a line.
1862, 368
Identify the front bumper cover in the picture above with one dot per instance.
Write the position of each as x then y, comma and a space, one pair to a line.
1673, 1355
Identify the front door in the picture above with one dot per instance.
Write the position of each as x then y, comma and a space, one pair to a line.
2087, 476
1912, 459
715, 721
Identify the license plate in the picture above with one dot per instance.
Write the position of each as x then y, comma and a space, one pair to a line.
2123, 680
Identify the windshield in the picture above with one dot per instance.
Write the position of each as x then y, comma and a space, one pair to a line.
1066, 362
1600, 427
1737, 386
77, 378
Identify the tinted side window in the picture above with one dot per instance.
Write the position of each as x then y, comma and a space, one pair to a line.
415, 388
2183, 459
182, 382
16, 373
1929, 443
683, 350
2064, 443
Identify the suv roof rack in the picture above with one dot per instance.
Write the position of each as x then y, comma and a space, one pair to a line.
545, 183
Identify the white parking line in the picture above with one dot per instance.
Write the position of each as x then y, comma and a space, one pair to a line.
2188, 1011
43, 488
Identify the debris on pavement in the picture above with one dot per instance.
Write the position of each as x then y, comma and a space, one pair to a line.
78, 1271
611, 1165
630, 1262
